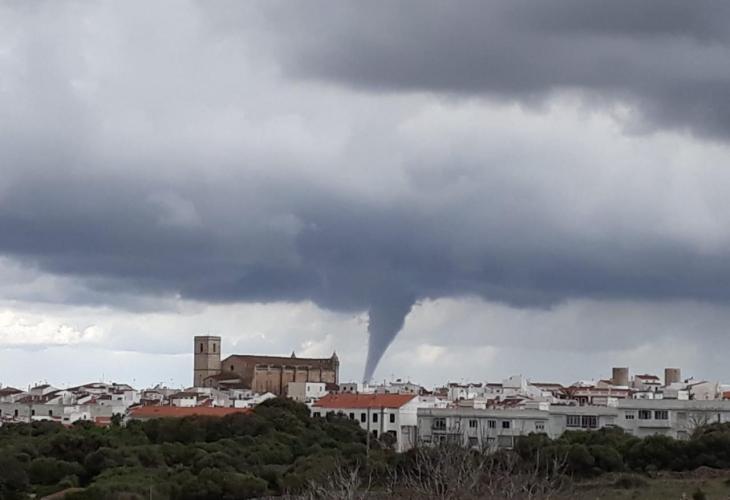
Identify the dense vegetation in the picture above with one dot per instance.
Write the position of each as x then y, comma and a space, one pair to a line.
612, 450
279, 449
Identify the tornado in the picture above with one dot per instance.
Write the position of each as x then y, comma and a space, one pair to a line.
386, 316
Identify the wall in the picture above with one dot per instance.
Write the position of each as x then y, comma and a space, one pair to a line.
273, 374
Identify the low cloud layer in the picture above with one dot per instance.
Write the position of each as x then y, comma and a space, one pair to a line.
267, 153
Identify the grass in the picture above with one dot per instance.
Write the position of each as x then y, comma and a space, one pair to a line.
661, 488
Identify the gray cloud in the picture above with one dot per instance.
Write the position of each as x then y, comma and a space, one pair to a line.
151, 160
668, 60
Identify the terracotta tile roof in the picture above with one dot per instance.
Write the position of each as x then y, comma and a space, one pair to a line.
9, 391
174, 411
348, 400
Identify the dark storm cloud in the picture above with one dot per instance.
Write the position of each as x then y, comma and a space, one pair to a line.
173, 159
668, 59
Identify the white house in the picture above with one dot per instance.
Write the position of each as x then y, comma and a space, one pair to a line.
305, 391
378, 414
703, 390
185, 399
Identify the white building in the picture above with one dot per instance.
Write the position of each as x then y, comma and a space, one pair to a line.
398, 387
704, 390
498, 428
670, 417
184, 399
377, 414
96, 401
253, 400
354, 388
305, 391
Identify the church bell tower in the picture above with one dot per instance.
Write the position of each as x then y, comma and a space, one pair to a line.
206, 358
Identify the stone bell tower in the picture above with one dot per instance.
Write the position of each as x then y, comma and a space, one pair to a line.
206, 358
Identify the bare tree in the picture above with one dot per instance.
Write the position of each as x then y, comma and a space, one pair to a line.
342, 484
453, 471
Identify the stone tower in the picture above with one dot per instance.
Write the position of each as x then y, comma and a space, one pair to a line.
672, 376
620, 376
206, 358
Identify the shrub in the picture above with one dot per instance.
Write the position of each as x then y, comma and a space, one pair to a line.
630, 482
50, 471
699, 494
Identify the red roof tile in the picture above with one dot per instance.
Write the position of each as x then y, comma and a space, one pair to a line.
363, 400
175, 411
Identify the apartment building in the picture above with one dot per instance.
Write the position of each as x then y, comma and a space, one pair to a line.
498, 428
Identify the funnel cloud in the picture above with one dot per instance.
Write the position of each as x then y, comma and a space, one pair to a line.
366, 158
386, 316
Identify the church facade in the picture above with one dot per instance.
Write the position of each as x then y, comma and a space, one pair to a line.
257, 373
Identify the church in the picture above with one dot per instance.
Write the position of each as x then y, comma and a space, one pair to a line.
257, 373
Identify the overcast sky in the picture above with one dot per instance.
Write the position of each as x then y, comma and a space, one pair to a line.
523, 188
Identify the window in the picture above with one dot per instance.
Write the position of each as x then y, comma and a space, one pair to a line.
375, 434
661, 415
644, 414
589, 421
201, 347
572, 421
629, 415
32, 412
439, 424
213, 347
363, 418
492, 424
50, 413
505, 424
540, 426
473, 424
375, 417
392, 418
15, 413
473, 442
352, 416
231, 367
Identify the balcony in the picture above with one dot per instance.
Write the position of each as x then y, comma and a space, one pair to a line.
655, 424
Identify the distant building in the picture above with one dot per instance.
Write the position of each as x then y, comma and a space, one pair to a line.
670, 417
498, 428
96, 402
258, 373
306, 391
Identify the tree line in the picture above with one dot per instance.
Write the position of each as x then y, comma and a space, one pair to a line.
279, 449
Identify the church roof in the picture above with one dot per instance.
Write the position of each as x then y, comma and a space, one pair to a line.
280, 360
